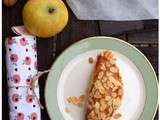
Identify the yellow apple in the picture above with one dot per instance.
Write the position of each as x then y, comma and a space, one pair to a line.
45, 18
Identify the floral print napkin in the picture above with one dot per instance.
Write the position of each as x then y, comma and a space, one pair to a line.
21, 61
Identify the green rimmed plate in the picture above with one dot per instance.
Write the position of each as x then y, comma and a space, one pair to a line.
70, 74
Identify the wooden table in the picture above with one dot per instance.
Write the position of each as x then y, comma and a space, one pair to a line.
142, 34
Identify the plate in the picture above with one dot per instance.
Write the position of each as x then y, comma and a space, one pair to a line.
71, 73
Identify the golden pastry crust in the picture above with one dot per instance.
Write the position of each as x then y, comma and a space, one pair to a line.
105, 90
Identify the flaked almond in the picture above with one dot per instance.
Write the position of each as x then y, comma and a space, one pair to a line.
109, 103
108, 74
103, 115
114, 89
103, 105
108, 118
92, 114
114, 81
112, 61
100, 75
107, 98
73, 100
107, 64
114, 69
105, 85
102, 108
120, 92
81, 98
114, 95
102, 67
97, 94
102, 90
117, 116
117, 102
110, 110
108, 54
97, 84
97, 105
76, 100
110, 84
104, 79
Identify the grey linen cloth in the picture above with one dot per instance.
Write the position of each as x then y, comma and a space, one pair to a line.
120, 10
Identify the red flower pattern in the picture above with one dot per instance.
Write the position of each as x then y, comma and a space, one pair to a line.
15, 98
14, 58
27, 60
33, 116
20, 116
29, 80
29, 98
16, 78
10, 41
23, 42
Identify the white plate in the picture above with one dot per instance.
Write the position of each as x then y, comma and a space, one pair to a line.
74, 82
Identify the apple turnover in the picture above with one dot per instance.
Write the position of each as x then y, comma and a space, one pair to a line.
105, 90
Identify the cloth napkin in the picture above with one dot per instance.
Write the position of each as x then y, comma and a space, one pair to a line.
114, 9
21, 61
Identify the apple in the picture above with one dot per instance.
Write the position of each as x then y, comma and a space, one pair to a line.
45, 18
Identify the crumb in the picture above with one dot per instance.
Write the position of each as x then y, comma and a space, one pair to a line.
78, 101
117, 116
90, 60
66, 110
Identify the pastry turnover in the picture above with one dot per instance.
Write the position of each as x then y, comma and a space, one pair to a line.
105, 90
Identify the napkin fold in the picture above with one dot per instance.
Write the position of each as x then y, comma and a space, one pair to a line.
114, 9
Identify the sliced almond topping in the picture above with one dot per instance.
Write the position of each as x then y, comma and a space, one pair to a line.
92, 115
114, 89
110, 84
103, 105
108, 54
81, 98
109, 102
97, 105
108, 64
107, 98
102, 67
117, 102
103, 115
97, 94
105, 86
104, 79
113, 69
102, 90
108, 74
110, 110
115, 82
100, 75
114, 95
120, 92
117, 116
76, 100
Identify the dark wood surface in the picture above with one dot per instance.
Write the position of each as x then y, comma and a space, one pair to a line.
142, 34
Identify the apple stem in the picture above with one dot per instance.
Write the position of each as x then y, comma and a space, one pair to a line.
51, 10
